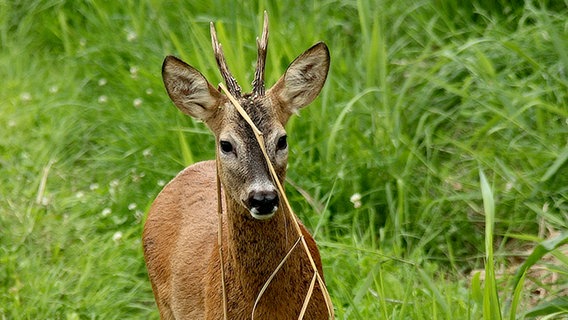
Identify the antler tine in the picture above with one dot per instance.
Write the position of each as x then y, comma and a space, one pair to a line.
232, 84
258, 83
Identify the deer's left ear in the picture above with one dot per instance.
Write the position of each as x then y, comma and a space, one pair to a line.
303, 79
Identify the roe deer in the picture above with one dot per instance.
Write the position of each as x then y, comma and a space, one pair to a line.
180, 235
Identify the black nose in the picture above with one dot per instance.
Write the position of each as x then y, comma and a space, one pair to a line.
262, 203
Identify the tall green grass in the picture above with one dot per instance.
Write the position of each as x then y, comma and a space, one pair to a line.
448, 119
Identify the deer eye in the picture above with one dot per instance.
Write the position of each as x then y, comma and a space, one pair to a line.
226, 146
282, 143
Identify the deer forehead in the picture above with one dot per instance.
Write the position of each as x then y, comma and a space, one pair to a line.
263, 113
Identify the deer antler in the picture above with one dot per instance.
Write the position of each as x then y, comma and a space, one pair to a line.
258, 83
232, 84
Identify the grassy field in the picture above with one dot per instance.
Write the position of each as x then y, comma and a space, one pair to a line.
449, 122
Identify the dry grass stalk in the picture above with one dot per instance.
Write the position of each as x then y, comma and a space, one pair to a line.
220, 238
309, 294
267, 283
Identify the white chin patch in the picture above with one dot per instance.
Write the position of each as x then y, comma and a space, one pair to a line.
254, 213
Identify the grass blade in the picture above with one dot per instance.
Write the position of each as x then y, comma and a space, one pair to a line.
434, 290
558, 305
187, 156
491, 307
556, 165
538, 252
517, 297
476, 292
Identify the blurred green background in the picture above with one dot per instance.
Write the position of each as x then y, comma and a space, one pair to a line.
424, 100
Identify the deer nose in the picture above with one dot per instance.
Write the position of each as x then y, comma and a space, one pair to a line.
262, 204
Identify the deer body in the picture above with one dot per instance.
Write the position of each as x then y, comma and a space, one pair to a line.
181, 249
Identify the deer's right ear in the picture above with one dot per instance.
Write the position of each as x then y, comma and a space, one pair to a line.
188, 89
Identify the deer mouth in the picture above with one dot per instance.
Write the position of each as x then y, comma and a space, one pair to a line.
263, 215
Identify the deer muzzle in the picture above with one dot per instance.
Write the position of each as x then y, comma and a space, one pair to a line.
262, 204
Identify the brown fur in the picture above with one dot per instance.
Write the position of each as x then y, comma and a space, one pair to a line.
180, 234
183, 259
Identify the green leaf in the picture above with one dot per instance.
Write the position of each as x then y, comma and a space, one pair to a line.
517, 297
491, 305
556, 165
485, 64
538, 252
476, 293
557, 305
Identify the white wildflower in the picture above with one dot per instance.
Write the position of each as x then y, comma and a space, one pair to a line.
161, 183
138, 214
117, 236
93, 186
44, 201
26, 96
136, 177
147, 153
103, 99
355, 197
133, 72
356, 200
131, 36
114, 183
132, 206
137, 102
509, 186
149, 91
106, 212
53, 89
102, 82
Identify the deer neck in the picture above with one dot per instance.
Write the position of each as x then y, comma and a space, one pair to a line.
256, 247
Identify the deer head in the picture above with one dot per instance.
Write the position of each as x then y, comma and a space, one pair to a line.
242, 168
